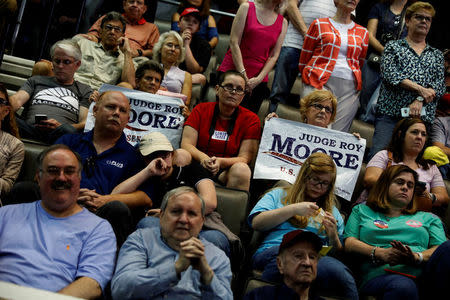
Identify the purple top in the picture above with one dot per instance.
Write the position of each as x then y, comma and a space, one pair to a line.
173, 80
432, 177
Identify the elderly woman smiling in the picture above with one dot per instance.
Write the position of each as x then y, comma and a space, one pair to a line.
169, 51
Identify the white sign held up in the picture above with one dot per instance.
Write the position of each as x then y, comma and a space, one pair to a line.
149, 112
286, 144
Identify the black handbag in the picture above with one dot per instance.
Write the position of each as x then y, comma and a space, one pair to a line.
374, 60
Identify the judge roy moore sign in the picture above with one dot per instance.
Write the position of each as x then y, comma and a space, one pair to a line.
286, 144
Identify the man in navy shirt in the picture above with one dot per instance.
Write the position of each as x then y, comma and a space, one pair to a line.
108, 159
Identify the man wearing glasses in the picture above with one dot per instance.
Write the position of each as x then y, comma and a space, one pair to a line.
55, 244
142, 35
110, 60
59, 104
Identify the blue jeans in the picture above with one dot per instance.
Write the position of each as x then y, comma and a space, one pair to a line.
436, 276
391, 286
286, 72
332, 275
213, 236
384, 126
370, 81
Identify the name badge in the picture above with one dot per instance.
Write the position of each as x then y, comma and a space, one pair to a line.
220, 135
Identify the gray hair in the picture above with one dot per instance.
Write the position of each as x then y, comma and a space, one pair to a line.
160, 43
177, 192
70, 47
53, 148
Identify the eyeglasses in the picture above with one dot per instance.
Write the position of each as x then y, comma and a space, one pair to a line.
66, 62
56, 171
230, 88
89, 166
397, 20
172, 45
110, 27
319, 107
420, 18
317, 182
4, 101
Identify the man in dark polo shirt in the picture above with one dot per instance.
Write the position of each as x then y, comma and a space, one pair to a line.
108, 159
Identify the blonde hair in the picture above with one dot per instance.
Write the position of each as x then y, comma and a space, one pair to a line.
317, 96
415, 7
318, 163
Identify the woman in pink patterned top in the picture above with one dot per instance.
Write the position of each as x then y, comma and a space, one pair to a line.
255, 42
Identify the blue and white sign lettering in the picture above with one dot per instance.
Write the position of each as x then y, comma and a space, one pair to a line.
149, 112
286, 144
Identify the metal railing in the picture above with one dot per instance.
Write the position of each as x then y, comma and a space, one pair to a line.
16, 26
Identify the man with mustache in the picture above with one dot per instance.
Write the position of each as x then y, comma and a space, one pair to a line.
297, 262
108, 159
111, 59
54, 243
171, 261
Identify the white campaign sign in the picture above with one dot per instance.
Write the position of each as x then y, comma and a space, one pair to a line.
149, 112
286, 144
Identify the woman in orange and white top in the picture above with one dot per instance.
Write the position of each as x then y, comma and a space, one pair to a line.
332, 56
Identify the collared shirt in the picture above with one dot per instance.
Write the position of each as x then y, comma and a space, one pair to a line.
321, 48
98, 66
398, 62
103, 172
142, 35
146, 270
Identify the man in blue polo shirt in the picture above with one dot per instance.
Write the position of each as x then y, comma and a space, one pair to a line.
108, 159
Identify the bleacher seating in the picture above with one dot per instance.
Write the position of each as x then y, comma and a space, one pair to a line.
14, 71
232, 206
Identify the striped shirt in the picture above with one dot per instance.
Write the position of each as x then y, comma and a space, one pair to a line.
310, 10
321, 48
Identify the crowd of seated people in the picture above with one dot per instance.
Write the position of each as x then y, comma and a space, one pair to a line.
154, 205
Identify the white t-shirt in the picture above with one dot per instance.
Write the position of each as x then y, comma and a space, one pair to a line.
310, 10
342, 68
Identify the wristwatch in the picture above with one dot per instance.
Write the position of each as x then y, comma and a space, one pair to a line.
420, 98
139, 51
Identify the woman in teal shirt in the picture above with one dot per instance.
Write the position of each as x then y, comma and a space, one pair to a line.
394, 238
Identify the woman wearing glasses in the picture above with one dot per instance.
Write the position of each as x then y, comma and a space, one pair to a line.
11, 148
413, 77
169, 52
282, 210
222, 135
318, 108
